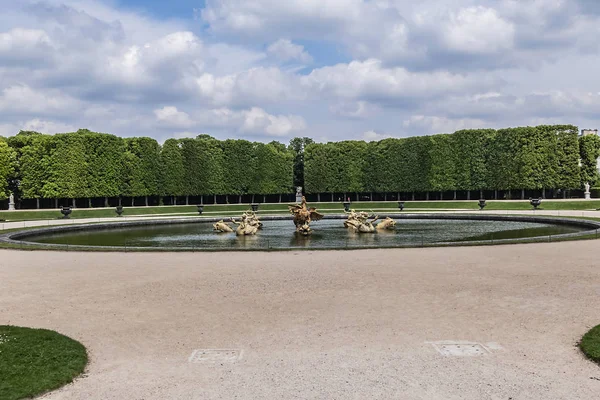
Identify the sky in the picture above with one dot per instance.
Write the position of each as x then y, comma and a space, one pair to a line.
268, 70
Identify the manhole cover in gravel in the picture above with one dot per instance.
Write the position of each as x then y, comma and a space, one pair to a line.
215, 356
461, 349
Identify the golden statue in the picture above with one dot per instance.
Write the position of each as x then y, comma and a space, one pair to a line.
253, 219
359, 222
246, 226
386, 224
222, 227
303, 216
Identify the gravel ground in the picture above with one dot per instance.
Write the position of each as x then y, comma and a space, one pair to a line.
367, 324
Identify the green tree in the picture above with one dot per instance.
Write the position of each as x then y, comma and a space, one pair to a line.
172, 168
8, 158
298, 145
589, 148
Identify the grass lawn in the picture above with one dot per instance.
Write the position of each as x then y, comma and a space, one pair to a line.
590, 344
27, 215
34, 361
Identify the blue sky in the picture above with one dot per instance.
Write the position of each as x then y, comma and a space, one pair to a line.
271, 70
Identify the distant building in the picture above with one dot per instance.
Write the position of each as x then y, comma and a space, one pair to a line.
585, 132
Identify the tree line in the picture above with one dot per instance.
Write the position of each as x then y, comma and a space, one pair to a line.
541, 157
87, 164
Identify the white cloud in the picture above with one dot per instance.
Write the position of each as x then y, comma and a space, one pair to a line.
370, 136
371, 80
47, 126
172, 117
22, 99
478, 30
435, 124
257, 120
254, 121
284, 50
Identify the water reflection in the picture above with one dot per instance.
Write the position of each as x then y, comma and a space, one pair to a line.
327, 233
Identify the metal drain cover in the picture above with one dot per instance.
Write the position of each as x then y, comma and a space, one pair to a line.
215, 356
461, 349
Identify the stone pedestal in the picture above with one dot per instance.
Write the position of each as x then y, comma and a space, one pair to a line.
299, 194
588, 195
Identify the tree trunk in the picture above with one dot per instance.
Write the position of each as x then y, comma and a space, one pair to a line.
215, 198
120, 201
264, 199
106, 202
371, 197
481, 193
187, 199
441, 195
522, 194
565, 194
509, 195
174, 200
427, 196
468, 195
132, 201
280, 197
385, 197
496, 194
454, 198
357, 199
74, 204
413, 196
240, 199
89, 202
55, 203
318, 197
543, 193
37, 203
252, 199
146, 200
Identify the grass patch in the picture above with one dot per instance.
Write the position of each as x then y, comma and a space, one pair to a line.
34, 361
590, 344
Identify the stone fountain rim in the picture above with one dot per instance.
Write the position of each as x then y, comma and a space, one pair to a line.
16, 237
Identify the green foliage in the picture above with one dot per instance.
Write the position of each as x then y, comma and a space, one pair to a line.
297, 146
145, 174
172, 168
7, 167
90, 164
589, 148
517, 158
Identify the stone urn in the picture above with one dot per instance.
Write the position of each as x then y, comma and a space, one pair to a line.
66, 211
535, 202
200, 208
347, 205
119, 210
254, 207
481, 204
401, 205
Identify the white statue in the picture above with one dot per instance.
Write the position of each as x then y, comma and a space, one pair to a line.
11, 202
587, 187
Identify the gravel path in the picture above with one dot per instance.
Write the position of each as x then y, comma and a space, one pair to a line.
369, 324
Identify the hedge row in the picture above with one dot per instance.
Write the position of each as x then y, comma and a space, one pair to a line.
517, 158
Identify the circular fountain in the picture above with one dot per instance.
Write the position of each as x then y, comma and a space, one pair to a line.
279, 233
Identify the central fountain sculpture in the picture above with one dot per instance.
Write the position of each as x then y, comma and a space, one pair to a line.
362, 222
303, 216
359, 221
248, 225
